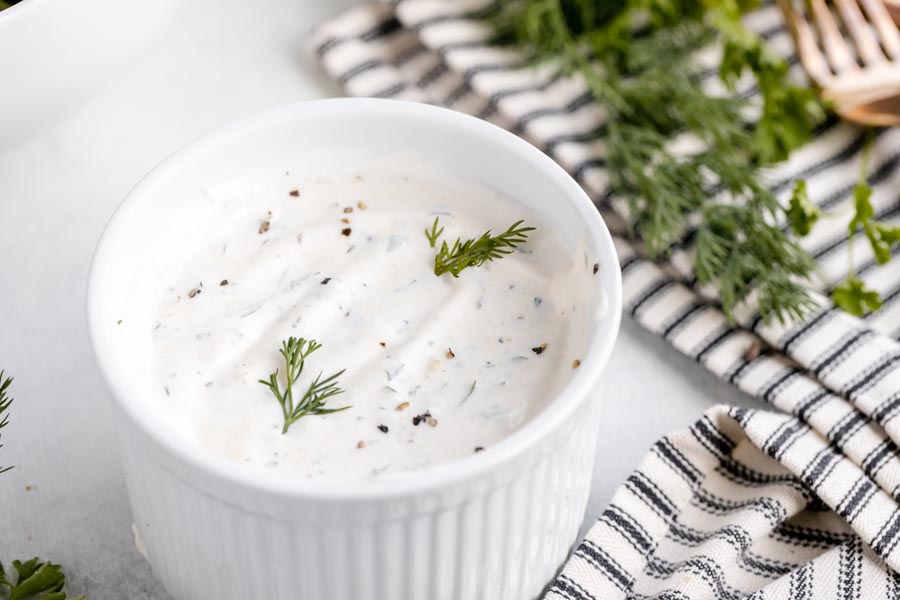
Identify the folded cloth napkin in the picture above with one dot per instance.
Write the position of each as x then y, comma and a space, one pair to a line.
801, 503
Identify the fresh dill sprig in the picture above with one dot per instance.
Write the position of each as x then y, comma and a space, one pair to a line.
638, 59
474, 252
434, 233
295, 352
35, 579
5, 403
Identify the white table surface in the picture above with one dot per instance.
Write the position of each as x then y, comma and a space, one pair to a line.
218, 60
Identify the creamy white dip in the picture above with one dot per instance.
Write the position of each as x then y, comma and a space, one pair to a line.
343, 259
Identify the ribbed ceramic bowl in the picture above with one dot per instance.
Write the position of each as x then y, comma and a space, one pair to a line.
494, 526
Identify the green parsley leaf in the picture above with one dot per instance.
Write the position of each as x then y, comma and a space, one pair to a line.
862, 205
34, 580
889, 234
881, 248
801, 213
881, 237
853, 297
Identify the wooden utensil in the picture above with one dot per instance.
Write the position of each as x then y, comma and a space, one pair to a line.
851, 51
893, 7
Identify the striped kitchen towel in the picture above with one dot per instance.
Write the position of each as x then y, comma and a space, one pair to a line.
802, 503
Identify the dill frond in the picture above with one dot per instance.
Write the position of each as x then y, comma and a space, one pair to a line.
475, 252
295, 351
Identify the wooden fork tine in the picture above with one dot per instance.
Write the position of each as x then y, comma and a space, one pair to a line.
807, 49
881, 19
836, 49
866, 42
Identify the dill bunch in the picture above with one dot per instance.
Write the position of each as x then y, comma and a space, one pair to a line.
639, 59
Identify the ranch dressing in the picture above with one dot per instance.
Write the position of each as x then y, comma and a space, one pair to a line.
437, 368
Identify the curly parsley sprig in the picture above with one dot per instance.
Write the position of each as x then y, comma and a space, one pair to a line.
852, 295
295, 351
5, 402
474, 252
34, 580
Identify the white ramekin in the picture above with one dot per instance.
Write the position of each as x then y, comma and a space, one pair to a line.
493, 526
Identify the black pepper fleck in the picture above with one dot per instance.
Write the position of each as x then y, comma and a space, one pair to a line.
326, 280
223, 282
295, 193
418, 419
383, 428
539, 349
194, 292
346, 231
596, 268
479, 448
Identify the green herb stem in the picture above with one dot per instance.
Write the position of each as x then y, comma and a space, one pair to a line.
475, 252
295, 351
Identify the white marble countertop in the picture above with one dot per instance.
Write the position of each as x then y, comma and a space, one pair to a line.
218, 60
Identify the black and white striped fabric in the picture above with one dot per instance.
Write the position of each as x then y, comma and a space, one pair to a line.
801, 503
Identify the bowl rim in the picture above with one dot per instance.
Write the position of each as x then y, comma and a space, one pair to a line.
506, 451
